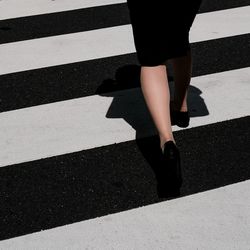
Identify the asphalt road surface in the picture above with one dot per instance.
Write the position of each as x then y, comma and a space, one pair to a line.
79, 152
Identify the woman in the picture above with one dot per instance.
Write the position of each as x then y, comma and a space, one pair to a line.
161, 34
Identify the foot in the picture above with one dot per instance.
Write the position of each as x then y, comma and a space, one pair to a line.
179, 117
172, 161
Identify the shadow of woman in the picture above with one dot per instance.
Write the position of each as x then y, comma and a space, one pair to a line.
128, 103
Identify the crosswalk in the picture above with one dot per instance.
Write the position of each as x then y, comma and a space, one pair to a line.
78, 147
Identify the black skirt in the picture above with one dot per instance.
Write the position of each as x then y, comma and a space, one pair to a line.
161, 28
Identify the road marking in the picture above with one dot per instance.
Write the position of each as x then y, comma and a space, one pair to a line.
215, 219
113, 41
14, 9
78, 124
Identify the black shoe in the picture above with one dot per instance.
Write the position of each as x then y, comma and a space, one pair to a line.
180, 118
172, 162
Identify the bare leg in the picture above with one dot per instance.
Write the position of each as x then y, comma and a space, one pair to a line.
182, 69
154, 85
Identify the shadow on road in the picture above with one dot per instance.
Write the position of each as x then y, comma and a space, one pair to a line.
130, 106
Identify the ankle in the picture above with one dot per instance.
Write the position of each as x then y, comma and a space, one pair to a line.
178, 107
163, 140
183, 108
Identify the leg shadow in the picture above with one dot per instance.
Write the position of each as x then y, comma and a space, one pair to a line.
130, 105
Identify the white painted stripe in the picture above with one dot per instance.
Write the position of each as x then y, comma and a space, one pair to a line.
95, 44
88, 122
15, 8
219, 24
63, 49
215, 219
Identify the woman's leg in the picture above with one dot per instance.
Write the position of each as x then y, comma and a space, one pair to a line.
154, 85
182, 70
